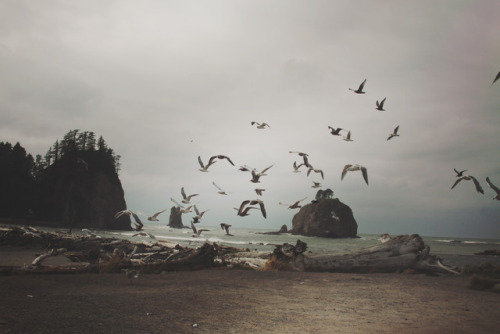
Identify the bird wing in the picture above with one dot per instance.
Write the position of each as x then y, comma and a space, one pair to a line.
396, 129
217, 186
189, 197
344, 171
183, 193
456, 182
390, 136
382, 103
364, 171
227, 158
196, 210
242, 205
200, 162
496, 78
179, 205
194, 228
362, 85
476, 183
492, 186
322, 175
265, 169
158, 213
263, 209
120, 213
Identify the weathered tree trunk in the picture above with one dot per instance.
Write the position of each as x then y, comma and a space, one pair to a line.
399, 253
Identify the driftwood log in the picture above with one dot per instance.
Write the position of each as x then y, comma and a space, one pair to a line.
396, 254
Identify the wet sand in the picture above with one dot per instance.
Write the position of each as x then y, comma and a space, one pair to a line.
240, 301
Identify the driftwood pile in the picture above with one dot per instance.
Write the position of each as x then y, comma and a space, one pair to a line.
94, 254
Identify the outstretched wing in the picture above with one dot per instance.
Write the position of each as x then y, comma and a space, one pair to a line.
457, 181
364, 171
492, 186
344, 171
476, 183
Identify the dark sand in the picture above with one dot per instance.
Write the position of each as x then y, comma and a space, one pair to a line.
240, 301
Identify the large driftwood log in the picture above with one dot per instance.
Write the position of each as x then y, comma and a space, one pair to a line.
398, 253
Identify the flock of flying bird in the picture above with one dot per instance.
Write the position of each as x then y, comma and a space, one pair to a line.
256, 204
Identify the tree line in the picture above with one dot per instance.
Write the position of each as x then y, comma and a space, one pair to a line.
22, 177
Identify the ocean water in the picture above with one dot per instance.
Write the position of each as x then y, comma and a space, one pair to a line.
254, 240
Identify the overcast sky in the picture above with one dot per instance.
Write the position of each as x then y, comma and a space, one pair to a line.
167, 81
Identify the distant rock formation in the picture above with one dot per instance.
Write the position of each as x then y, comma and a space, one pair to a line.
82, 193
175, 220
329, 218
283, 229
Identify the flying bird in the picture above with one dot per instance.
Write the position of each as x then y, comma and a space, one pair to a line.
335, 131
144, 234
380, 105
226, 227
186, 210
296, 167
348, 137
198, 214
304, 157
244, 211
295, 205
468, 178
186, 199
154, 218
261, 126
256, 176
222, 192
179, 205
204, 168
495, 189
196, 231
496, 78
316, 185
360, 89
311, 169
394, 133
459, 173
220, 157
136, 224
354, 167
259, 191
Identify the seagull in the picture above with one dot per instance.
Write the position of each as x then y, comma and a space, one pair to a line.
360, 89
186, 199
196, 231
468, 178
261, 126
198, 214
316, 185
226, 227
204, 168
256, 176
186, 210
380, 106
394, 133
311, 169
335, 132
294, 205
137, 226
154, 218
131, 274
222, 192
220, 157
496, 78
459, 173
495, 189
259, 191
303, 155
296, 167
352, 168
243, 212
348, 137
144, 234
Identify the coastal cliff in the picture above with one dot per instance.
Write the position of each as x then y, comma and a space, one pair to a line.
329, 218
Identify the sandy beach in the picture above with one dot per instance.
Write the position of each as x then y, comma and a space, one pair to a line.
240, 301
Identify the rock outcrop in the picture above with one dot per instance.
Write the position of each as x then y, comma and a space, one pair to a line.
329, 218
175, 220
81, 192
